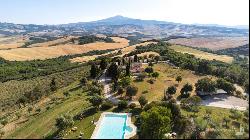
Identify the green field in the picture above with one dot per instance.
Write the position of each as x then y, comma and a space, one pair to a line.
201, 54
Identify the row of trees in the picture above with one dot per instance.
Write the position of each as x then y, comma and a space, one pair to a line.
208, 85
91, 39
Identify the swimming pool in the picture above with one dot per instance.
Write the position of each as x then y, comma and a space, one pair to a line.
114, 126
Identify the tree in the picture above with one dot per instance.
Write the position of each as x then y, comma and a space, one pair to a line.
225, 85
94, 71
84, 81
135, 58
171, 90
4, 122
151, 56
143, 101
157, 58
30, 109
96, 101
149, 70
128, 69
204, 67
155, 75
122, 104
226, 120
185, 90
64, 121
178, 79
103, 64
96, 89
53, 85
125, 81
191, 103
131, 91
120, 91
66, 93
205, 85
113, 71
155, 122
246, 86
141, 77
150, 64
1, 133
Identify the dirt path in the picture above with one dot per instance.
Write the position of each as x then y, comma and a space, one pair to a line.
108, 94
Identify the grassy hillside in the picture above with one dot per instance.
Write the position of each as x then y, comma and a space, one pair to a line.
12, 91
155, 92
201, 54
43, 124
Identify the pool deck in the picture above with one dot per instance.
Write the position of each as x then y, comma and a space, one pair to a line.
129, 123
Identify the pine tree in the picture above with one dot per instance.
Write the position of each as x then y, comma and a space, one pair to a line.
128, 69
53, 85
94, 71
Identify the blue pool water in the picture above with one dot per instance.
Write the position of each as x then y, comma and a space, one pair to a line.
113, 127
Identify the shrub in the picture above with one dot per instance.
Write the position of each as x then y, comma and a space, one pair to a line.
106, 105
4, 122
132, 105
171, 90
235, 114
238, 93
66, 93
38, 110
120, 91
30, 109
149, 70
64, 121
141, 77
145, 92
122, 104
48, 107
236, 124
143, 101
151, 81
131, 91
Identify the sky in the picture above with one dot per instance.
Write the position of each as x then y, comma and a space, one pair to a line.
223, 12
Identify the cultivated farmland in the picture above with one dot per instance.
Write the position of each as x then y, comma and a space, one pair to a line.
11, 42
23, 54
124, 51
213, 43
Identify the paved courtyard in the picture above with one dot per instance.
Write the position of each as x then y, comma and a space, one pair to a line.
225, 101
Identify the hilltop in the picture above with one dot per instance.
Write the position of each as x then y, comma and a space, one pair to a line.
119, 25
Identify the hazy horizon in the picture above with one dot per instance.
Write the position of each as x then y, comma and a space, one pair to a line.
220, 12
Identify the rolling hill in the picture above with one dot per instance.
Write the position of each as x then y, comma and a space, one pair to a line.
120, 25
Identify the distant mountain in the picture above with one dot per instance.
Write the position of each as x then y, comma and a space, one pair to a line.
120, 20
124, 26
226, 26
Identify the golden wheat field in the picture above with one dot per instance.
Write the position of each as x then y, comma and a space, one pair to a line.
124, 51
23, 54
12, 42
133, 47
53, 42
